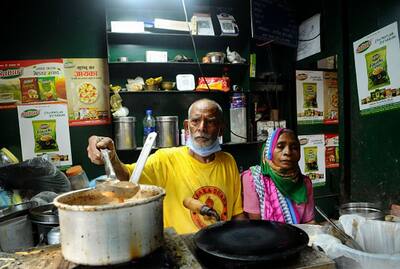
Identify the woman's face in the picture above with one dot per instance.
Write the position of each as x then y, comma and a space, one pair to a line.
287, 151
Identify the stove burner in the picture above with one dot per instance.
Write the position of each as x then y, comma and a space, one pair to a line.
159, 259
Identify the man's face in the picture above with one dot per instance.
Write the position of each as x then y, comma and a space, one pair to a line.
287, 151
204, 125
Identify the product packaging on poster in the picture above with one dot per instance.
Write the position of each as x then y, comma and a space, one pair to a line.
44, 131
31, 81
332, 150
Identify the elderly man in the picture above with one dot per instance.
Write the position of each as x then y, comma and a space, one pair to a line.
199, 170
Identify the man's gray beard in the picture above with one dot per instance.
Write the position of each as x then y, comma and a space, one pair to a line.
209, 143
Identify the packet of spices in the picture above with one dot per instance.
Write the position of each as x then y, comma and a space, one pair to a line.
29, 90
310, 95
377, 68
44, 132
311, 159
47, 88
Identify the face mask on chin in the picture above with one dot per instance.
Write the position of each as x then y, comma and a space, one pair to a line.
204, 151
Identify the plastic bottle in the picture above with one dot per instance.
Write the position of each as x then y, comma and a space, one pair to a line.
238, 118
183, 137
149, 124
77, 177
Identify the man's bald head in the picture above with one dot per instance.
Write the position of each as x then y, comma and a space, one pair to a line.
207, 104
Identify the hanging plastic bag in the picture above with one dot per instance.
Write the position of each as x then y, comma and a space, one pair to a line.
379, 239
35, 174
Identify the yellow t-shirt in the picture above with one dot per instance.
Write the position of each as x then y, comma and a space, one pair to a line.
216, 184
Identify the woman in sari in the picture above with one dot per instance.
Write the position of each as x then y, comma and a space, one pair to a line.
276, 190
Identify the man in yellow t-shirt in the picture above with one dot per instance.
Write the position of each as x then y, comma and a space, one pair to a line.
199, 170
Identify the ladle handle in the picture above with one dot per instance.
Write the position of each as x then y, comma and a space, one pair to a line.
148, 144
107, 162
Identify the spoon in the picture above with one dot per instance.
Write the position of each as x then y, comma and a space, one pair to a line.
148, 144
127, 189
343, 236
121, 189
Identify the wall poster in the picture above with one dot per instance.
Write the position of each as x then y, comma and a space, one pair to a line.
82, 83
312, 160
31, 81
377, 63
44, 130
317, 97
87, 91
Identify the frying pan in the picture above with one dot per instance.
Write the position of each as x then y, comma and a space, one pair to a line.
251, 240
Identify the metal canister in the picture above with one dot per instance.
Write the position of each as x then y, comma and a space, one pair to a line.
167, 131
124, 132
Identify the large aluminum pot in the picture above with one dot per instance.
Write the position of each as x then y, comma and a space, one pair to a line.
104, 234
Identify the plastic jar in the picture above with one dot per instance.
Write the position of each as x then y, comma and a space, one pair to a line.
77, 177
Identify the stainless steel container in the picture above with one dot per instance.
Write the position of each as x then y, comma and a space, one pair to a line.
104, 234
53, 237
167, 131
124, 132
364, 209
16, 234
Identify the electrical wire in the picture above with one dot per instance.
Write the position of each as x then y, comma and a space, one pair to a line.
265, 43
238, 135
194, 45
305, 40
197, 58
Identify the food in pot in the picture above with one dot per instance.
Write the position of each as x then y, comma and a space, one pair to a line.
377, 68
45, 135
98, 230
97, 197
47, 88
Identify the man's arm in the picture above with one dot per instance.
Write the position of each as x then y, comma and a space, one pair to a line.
95, 144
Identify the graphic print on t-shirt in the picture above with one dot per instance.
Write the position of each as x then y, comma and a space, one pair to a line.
214, 198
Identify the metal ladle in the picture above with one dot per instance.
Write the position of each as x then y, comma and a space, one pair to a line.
121, 189
126, 189
341, 234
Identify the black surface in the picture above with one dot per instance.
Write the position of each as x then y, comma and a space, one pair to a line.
251, 240
274, 20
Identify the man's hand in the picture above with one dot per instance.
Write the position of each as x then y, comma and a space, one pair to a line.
99, 142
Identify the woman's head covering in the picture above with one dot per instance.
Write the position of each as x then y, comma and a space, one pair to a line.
289, 182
